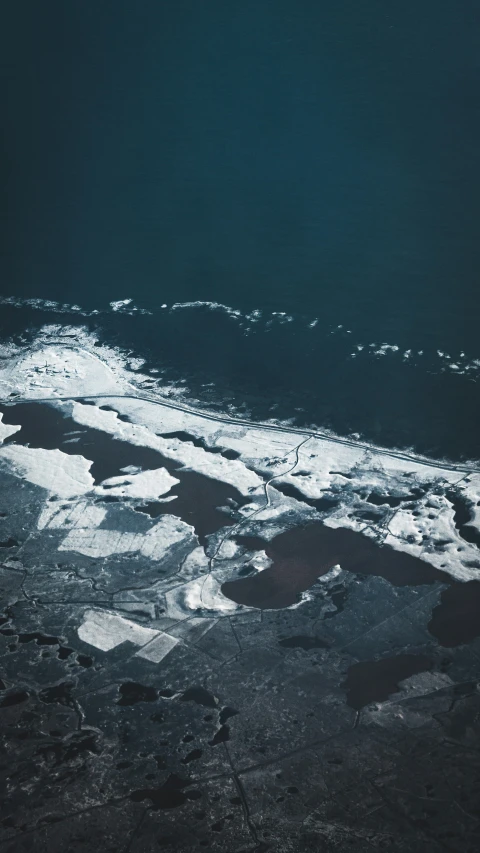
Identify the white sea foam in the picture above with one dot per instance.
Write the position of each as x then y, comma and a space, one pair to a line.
258, 321
212, 306
120, 303
53, 307
441, 360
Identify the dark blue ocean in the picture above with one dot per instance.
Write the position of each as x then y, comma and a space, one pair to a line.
313, 167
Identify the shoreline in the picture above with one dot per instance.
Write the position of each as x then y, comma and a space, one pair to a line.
395, 454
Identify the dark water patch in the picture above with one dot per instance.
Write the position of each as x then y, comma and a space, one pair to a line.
222, 736
117, 485
303, 554
198, 498
304, 642
120, 417
59, 694
463, 516
170, 795
440, 544
198, 501
200, 696
365, 515
456, 620
323, 504
226, 714
461, 507
470, 534
375, 681
64, 652
184, 436
14, 698
194, 755
84, 660
200, 442
250, 543
40, 639
380, 500
131, 693
3, 686
230, 454
9, 543
247, 570
338, 597
394, 501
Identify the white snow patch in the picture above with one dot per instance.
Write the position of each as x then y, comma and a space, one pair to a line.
202, 593
154, 544
62, 475
193, 628
58, 370
148, 485
333, 573
82, 513
158, 648
7, 429
106, 630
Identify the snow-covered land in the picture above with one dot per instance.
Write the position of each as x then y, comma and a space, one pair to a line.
282, 474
